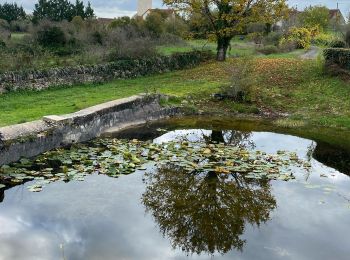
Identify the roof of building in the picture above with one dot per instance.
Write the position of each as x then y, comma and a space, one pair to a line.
106, 20
335, 12
168, 11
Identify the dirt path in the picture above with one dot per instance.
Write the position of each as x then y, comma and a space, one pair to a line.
311, 54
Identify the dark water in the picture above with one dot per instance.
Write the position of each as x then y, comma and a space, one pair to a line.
170, 215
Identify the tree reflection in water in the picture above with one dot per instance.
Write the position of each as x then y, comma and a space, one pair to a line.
207, 212
2, 196
232, 137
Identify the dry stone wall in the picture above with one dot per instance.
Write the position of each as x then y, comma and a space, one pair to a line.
68, 76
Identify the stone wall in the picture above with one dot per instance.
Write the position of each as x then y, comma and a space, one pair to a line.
33, 138
41, 79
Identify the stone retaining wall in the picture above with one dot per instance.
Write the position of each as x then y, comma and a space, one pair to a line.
68, 76
33, 138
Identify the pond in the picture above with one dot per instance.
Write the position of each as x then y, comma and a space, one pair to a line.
181, 191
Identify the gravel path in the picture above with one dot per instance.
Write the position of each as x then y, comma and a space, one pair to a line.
311, 54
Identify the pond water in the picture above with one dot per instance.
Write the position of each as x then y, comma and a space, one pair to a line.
168, 213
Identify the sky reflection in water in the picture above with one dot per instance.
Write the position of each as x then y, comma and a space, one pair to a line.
105, 218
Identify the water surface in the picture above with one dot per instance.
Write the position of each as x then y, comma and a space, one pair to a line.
166, 214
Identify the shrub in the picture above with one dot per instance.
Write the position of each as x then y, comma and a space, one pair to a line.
322, 39
315, 16
78, 22
177, 27
170, 39
269, 49
288, 46
155, 23
97, 37
301, 37
256, 27
338, 56
243, 81
20, 26
4, 35
315, 31
135, 49
337, 44
120, 22
256, 37
272, 38
51, 37
4, 25
126, 42
59, 38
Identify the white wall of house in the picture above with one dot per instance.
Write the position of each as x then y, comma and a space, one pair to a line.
143, 6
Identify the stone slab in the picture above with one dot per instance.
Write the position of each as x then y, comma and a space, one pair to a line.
33, 138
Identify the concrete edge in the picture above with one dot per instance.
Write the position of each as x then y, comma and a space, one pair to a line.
33, 138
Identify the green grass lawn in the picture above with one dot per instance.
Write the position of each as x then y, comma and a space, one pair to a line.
301, 89
23, 106
286, 85
17, 37
238, 47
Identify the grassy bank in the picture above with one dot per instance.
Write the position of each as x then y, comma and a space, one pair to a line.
296, 88
24, 106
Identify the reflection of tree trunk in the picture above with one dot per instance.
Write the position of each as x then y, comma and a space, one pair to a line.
217, 136
2, 196
211, 176
212, 182
1, 142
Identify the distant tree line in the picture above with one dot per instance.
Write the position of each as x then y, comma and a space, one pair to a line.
59, 10
12, 12
54, 10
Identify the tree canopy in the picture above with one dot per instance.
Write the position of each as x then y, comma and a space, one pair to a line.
12, 12
228, 18
58, 10
315, 16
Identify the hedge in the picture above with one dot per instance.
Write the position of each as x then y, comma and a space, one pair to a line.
121, 69
338, 56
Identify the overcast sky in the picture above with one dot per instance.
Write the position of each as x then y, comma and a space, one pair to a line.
115, 8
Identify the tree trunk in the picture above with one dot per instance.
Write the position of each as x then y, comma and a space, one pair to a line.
223, 44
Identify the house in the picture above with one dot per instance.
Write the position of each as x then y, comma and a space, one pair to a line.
105, 21
336, 17
292, 20
145, 7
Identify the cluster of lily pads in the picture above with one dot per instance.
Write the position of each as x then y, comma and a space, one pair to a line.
114, 157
